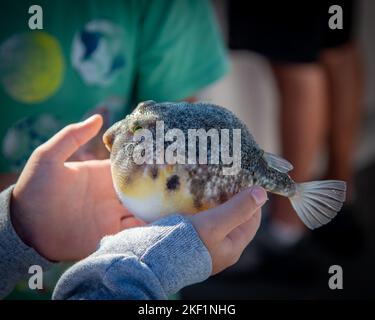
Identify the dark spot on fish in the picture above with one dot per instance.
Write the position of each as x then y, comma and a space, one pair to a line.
197, 190
154, 172
223, 197
197, 203
173, 182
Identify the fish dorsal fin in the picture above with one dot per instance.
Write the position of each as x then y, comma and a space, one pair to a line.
277, 162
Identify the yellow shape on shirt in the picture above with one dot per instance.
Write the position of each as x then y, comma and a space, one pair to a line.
31, 66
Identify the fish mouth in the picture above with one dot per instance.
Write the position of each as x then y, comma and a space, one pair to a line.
110, 135
108, 138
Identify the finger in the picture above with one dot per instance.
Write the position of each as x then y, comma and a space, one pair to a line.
239, 209
82, 156
100, 170
64, 143
90, 164
131, 222
239, 238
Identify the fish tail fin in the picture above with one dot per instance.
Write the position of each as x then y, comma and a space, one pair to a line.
318, 202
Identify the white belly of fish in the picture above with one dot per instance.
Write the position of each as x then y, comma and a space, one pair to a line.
148, 210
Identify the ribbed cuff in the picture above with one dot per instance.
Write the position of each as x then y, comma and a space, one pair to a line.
170, 247
179, 258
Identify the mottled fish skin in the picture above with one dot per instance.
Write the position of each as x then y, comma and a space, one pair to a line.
152, 190
207, 183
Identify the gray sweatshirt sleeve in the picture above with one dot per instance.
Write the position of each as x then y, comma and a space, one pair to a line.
149, 262
15, 256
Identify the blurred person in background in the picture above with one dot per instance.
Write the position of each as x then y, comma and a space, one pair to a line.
318, 74
96, 57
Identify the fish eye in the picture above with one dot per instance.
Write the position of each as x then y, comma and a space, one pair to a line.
137, 127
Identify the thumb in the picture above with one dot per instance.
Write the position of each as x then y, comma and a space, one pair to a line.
64, 143
236, 211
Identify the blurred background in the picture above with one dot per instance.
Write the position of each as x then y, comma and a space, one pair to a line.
256, 89
305, 92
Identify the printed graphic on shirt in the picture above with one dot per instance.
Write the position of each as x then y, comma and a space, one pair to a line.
25, 135
31, 66
97, 52
28, 133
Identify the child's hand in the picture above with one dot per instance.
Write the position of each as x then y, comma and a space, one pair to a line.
227, 229
62, 209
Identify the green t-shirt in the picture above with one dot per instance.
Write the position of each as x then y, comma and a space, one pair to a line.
97, 56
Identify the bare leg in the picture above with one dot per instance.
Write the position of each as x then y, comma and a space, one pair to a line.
343, 69
303, 97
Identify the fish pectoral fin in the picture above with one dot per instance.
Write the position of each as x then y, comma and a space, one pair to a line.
277, 162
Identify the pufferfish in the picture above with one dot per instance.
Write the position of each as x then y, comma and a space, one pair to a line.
153, 189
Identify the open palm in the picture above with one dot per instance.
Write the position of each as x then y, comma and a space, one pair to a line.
63, 209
